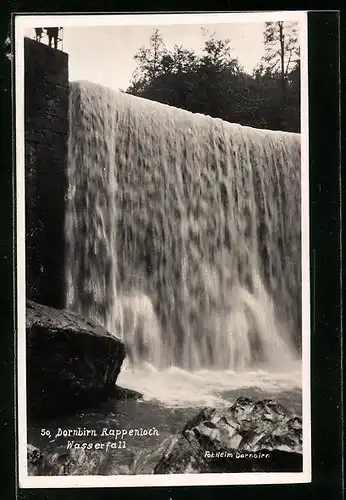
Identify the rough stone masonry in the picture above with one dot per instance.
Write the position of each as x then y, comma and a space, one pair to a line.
46, 134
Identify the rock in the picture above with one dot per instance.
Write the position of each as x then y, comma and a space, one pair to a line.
72, 362
79, 462
145, 460
34, 459
248, 436
122, 393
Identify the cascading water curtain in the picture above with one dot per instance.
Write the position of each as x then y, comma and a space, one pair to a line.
183, 233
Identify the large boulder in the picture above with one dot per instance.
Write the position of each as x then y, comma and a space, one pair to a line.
248, 436
71, 361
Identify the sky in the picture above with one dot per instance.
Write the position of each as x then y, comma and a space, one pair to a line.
104, 54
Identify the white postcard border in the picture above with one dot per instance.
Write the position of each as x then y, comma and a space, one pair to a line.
22, 23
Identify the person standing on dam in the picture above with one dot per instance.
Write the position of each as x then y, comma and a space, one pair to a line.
38, 34
53, 34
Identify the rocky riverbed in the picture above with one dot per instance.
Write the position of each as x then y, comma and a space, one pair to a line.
112, 430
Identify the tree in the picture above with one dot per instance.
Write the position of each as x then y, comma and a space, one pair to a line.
178, 60
278, 76
281, 50
149, 60
214, 83
181, 77
218, 54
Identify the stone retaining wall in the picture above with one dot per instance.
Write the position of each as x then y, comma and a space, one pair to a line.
46, 134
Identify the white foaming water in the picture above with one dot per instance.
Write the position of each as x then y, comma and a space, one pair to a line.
179, 388
183, 238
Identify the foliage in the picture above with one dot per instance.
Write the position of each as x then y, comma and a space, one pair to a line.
214, 82
149, 59
281, 48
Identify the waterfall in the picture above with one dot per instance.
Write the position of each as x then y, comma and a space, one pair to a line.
183, 233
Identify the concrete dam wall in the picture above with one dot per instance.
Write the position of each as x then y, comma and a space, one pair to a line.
46, 135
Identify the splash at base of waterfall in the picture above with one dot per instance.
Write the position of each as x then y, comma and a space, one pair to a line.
277, 371
175, 387
247, 335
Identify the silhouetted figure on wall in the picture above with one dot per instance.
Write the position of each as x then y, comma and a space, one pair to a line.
53, 34
38, 34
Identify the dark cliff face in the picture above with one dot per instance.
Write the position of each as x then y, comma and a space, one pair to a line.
46, 134
71, 361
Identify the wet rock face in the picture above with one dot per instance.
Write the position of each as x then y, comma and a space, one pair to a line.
34, 459
71, 361
249, 436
